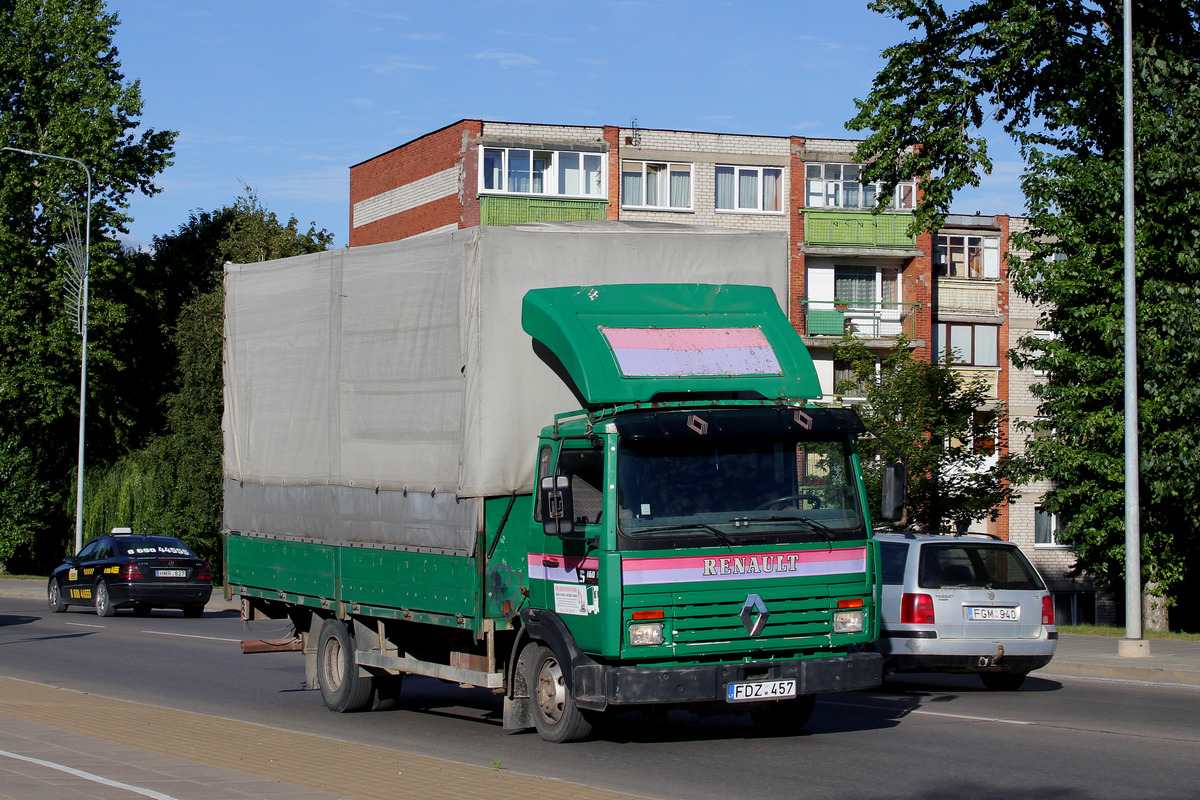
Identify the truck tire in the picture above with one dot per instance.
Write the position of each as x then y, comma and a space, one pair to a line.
555, 714
342, 687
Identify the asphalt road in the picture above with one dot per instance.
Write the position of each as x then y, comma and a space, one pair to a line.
914, 738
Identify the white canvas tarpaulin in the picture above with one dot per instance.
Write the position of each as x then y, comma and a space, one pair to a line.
371, 394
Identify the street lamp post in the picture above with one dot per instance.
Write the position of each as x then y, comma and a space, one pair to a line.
83, 333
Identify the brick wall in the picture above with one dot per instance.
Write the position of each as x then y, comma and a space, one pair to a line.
415, 188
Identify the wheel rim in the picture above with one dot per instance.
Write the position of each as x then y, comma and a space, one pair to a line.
101, 597
54, 598
334, 670
551, 691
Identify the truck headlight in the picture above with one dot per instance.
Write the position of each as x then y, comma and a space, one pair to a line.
645, 633
848, 622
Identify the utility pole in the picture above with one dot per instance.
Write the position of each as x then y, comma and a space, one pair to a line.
1133, 645
81, 274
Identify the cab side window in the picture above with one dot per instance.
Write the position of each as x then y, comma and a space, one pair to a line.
105, 550
585, 468
89, 551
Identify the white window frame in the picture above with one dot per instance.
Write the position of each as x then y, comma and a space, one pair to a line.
986, 248
739, 206
552, 186
1055, 527
1044, 336
827, 177
942, 353
664, 188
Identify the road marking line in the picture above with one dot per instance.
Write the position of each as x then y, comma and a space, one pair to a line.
78, 773
974, 719
192, 636
84, 625
880, 707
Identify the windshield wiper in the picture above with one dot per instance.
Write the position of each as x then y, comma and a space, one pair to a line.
689, 526
819, 527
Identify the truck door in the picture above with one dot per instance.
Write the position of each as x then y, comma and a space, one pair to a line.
565, 574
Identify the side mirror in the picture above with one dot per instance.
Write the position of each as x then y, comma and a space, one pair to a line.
558, 507
895, 481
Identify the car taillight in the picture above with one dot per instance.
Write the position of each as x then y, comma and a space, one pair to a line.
1047, 610
204, 573
130, 572
916, 609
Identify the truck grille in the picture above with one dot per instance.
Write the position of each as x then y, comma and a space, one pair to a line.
712, 621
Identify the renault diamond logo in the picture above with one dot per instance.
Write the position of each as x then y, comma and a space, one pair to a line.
754, 614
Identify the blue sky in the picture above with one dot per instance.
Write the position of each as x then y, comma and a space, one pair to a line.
285, 95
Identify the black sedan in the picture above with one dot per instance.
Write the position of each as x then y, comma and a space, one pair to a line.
130, 571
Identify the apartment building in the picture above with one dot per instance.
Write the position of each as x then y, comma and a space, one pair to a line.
848, 269
1077, 600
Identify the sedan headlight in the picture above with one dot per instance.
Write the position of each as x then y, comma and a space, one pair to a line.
645, 633
848, 621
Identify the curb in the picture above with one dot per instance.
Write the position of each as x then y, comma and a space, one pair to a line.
1080, 669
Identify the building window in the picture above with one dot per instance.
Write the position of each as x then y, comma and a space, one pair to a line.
1046, 528
838, 186
512, 170
1041, 336
750, 189
981, 438
967, 256
866, 287
648, 184
965, 344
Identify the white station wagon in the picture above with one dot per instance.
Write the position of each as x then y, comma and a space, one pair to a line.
963, 603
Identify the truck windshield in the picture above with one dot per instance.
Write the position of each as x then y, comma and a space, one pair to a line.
750, 488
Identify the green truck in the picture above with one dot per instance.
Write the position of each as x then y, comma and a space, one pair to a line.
576, 464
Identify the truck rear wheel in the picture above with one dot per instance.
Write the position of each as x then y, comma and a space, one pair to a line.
343, 687
555, 714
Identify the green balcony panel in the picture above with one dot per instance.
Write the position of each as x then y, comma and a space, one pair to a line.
857, 229
497, 210
825, 322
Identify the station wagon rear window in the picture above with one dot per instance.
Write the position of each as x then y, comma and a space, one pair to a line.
976, 565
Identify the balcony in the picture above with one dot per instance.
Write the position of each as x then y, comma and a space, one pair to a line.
962, 296
858, 229
506, 210
861, 320
988, 376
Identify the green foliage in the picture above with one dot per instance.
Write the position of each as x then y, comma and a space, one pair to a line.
939, 425
62, 93
173, 484
1050, 74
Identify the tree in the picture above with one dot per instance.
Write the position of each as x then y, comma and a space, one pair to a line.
62, 92
173, 484
1050, 74
940, 427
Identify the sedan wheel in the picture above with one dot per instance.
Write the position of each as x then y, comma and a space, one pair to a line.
57, 604
104, 606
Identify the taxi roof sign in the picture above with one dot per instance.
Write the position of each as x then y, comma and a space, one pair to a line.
627, 343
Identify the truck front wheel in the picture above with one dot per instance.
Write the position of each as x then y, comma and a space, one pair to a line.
555, 714
343, 687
